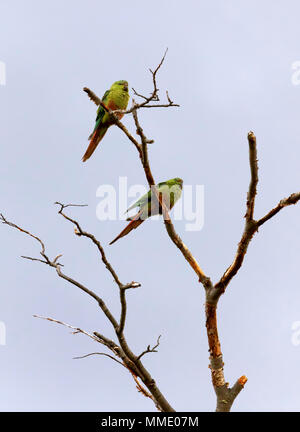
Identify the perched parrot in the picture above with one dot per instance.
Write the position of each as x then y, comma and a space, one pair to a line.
148, 204
116, 98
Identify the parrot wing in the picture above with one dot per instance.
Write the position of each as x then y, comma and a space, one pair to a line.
100, 113
145, 199
99, 129
141, 201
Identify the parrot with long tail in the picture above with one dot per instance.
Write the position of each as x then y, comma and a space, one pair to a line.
170, 192
116, 98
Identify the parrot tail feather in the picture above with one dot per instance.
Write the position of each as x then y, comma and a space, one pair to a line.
94, 138
134, 223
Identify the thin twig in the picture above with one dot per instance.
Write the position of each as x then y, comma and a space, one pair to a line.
6, 222
76, 330
99, 353
149, 349
292, 199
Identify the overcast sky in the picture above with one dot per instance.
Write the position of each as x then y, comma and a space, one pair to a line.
229, 66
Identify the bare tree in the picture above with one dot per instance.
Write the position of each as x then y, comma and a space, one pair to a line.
119, 349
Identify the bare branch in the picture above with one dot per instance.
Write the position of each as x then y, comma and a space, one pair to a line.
76, 330
131, 285
142, 390
292, 199
251, 226
116, 350
71, 205
129, 136
34, 259
56, 265
6, 222
123, 311
139, 95
225, 395
138, 106
123, 351
145, 141
80, 232
122, 287
153, 95
92, 96
254, 175
205, 280
99, 300
99, 353
149, 349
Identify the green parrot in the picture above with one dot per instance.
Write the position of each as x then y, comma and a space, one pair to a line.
148, 205
116, 98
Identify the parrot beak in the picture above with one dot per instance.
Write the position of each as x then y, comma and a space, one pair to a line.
126, 87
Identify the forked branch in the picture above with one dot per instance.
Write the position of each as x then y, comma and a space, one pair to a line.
251, 225
226, 395
129, 359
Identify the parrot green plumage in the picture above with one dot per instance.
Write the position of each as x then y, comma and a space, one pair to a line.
148, 204
116, 98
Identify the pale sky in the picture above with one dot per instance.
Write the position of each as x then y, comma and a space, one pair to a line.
229, 66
